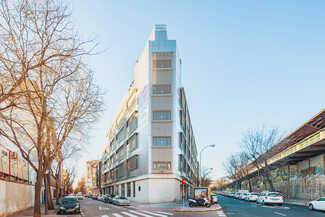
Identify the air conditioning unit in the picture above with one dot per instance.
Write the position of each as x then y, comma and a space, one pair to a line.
14, 155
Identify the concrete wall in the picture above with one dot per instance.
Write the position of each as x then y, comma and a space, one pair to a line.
295, 189
15, 197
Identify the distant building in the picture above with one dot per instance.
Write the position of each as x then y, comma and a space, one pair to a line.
151, 144
88, 176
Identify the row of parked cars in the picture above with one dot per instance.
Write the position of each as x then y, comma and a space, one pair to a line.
271, 197
111, 198
266, 197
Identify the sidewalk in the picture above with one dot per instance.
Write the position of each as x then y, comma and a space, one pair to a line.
174, 207
30, 211
296, 202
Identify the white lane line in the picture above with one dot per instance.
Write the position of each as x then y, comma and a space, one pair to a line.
117, 215
280, 213
129, 214
165, 213
104, 215
221, 213
139, 213
254, 206
152, 213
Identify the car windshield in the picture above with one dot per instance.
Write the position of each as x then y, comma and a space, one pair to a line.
245, 194
253, 194
69, 200
124, 198
274, 194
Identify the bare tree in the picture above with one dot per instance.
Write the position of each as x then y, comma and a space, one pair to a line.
206, 176
256, 145
48, 94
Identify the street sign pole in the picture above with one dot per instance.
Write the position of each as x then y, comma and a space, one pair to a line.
184, 182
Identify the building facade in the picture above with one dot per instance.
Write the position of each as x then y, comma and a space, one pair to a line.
150, 144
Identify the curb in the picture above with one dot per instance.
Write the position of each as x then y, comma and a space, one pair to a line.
295, 204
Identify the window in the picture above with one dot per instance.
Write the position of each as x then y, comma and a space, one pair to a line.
132, 163
128, 189
132, 123
121, 153
121, 134
161, 115
161, 141
180, 163
133, 189
161, 64
161, 89
161, 166
133, 142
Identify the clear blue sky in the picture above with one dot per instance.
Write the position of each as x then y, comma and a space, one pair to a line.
245, 63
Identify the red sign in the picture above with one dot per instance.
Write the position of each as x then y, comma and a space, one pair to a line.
184, 181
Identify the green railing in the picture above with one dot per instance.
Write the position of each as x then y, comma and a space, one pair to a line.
294, 148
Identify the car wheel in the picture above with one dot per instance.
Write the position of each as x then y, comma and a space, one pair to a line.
191, 204
311, 207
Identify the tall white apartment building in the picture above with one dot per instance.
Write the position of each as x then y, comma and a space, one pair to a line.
150, 144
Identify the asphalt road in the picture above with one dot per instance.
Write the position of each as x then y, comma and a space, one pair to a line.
94, 208
240, 208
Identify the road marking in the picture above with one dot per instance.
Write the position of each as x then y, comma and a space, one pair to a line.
221, 213
139, 213
117, 215
103, 208
280, 213
166, 213
104, 215
153, 213
129, 214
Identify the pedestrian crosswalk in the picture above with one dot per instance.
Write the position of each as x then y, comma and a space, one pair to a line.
139, 213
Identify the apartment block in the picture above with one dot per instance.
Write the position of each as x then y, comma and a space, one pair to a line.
150, 144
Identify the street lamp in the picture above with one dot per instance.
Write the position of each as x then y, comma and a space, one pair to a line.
201, 158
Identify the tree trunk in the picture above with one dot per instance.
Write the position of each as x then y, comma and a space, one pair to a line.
57, 188
48, 194
37, 201
250, 185
270, 182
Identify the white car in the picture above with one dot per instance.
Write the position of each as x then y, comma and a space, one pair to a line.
317, 204
252, 197
242, 196
271, 197
79, 196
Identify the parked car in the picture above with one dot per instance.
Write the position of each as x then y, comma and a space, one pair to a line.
252, 196
69, 204
106, 198
271, 197
110, 198
120, 200
79, 196
317, 204
242, 196
237, 195
95, 196
101, 197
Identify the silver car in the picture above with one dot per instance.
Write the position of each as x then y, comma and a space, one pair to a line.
121, 201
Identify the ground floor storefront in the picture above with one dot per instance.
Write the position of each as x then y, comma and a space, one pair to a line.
151, 189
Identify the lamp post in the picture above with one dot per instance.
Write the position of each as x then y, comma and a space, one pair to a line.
201, 158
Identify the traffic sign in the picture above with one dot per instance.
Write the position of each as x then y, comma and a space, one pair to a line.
184, 181
258, 187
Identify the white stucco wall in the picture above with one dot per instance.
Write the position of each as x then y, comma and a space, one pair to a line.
15, 197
